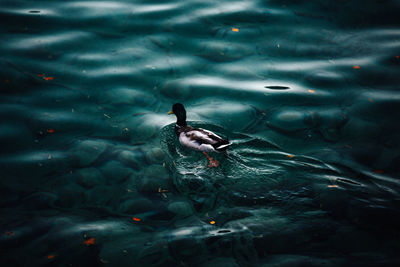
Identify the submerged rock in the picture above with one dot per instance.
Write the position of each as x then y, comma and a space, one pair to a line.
156, 171
103, 195
153, 178
176, 89
149, 184
130, 158
181, 208
88, 151
89, 177
143, 132
115, 171
288, 120
155, 155
137, 205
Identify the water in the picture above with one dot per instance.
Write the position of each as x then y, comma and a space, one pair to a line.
92, 174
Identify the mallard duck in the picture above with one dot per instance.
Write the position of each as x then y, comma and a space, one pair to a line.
197, 138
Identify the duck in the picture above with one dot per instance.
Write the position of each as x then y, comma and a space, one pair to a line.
197, 138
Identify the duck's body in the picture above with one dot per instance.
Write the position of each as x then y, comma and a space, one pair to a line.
200, 139
196, 138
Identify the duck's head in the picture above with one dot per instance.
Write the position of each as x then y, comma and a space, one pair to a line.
180, 114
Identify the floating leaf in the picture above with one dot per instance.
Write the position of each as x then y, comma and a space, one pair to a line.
333, 186
9, 233
40, 75
51, 257
50, 130
290, 156
90, 241
48, 78
235, 29
356, 67
136, 219
212, 222
311, 91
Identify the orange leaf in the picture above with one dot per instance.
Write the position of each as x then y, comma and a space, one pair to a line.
51, 257
9, 233
333, 186
311, 91
212, 222
136, 219
235, 29
290, 156
40, 75
356, 67
50, 130
48, 78
90, 241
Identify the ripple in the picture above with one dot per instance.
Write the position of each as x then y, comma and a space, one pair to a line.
48, 40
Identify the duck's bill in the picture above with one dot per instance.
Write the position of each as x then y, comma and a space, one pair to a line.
170, 112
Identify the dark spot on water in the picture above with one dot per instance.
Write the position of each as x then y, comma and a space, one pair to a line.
224, 231
277, 87
34, 11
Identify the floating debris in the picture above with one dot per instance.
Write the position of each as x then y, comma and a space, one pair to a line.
162, 190
333, 186
212, 222
356, 67
277, 87
51, 257
9, 233
311, 91
235, 29
90, 241
136, 219
107, 116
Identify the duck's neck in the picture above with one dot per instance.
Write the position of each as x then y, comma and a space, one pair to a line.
181, 121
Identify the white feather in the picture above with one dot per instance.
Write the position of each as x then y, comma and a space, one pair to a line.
200, 135
225, 145
185, 140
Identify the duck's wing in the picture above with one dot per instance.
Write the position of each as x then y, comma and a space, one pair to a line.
203, 136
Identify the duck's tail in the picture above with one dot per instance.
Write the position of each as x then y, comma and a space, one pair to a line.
223, 145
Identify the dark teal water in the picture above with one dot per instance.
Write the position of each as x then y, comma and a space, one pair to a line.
92, 174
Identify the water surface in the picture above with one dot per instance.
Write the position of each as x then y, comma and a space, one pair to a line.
92, 174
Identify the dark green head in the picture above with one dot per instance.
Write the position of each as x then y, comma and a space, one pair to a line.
180, 114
